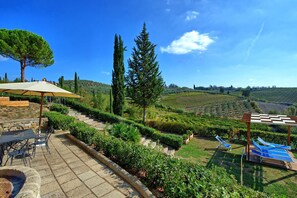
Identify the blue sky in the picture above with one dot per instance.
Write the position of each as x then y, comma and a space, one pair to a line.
207, 42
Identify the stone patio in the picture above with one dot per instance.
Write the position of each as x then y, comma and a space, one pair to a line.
69, 172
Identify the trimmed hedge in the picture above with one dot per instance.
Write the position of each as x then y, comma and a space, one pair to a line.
58, 120
278, 138
175, 178
59, 108
212, 131
172, 140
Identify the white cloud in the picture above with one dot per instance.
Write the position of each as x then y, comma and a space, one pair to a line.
191, 15
105, 73
188, 42
3, 58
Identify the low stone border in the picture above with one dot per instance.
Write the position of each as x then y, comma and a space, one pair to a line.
132, 180
31, 187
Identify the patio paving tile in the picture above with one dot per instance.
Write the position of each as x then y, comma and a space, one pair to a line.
75, 164
114, 194
105, 172
44, 172
48, 188
81, 169
70, 185
67, 171
55, 194
66, 177
48, 179
80, 191
87, 175
91, 195
102, 189
97, 167
94, 181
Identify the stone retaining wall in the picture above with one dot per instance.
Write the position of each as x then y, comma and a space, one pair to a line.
19, 124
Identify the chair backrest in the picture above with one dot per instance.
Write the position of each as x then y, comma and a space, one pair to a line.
257, 146
49, 132
262, 141
220, 139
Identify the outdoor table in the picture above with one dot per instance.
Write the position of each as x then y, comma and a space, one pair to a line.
9, 138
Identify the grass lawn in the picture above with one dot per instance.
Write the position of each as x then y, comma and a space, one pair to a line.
275, 182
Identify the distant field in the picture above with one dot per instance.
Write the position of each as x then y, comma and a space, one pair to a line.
283, 95
266, 107
278, 95
208, 104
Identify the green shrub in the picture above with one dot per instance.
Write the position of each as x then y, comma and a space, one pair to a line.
58, 120
185, 136
278, 138
125, 132
59, 108
35, 99
168, 139
82, 131
177, 178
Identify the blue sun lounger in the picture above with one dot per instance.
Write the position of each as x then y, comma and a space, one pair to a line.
223, 143
271, 153
273, 145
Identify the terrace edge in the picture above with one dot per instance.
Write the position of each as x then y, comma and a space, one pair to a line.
132, 180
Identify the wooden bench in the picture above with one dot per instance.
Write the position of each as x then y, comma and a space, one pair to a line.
4, 98
24, 103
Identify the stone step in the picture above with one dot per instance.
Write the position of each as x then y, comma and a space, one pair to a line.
102, 127
146, 142
171, 151
165, 150
153, 144
142, 140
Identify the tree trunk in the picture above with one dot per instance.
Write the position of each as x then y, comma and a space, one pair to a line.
144, 115
23, 66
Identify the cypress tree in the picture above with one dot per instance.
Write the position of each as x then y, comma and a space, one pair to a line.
61, 81
75, 83
118, 83
5, 78
144, 81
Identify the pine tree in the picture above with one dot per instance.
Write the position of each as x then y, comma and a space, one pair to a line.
75, 83
118, 83
144, 81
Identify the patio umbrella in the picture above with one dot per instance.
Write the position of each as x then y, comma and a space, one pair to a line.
38, 88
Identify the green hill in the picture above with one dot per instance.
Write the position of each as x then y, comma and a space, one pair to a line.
208, 104
278, 95
89, 86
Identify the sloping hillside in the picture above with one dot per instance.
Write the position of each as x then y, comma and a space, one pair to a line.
208, 104
89, 86
279, 95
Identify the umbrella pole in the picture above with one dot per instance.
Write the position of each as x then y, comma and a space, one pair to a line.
40, 115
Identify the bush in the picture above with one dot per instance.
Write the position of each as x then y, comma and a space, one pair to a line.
168, 139
125, 132
177, 178
185, 136
58, 120
278, 138
59, 108
82, 131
